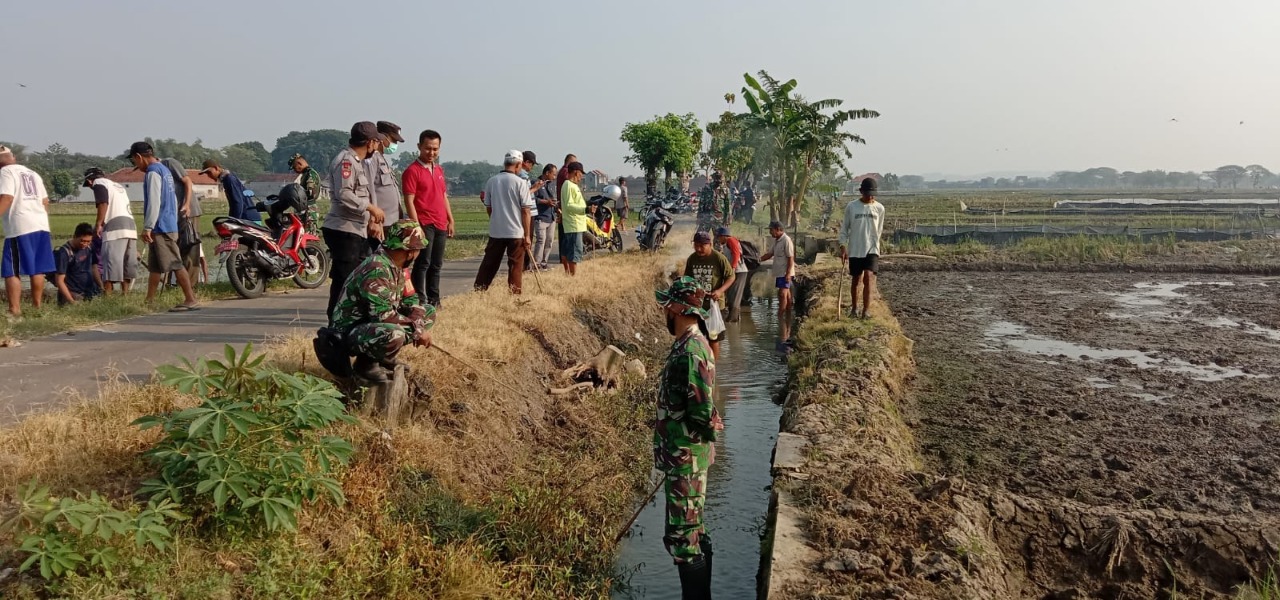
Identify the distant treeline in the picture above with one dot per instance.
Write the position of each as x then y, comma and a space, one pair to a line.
1229, 177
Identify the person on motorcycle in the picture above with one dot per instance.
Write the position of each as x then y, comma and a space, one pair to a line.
594, 237
374, 316
309, 179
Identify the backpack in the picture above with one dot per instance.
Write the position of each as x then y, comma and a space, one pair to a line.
750, 255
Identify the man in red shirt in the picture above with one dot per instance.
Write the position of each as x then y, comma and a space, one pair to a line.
426, 201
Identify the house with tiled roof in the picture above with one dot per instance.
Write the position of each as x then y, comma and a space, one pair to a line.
203, 187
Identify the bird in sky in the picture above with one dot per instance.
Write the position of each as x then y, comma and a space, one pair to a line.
22, 85
1242, 122
1173, 120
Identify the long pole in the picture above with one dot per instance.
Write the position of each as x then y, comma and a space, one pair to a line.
474, 368
636, 515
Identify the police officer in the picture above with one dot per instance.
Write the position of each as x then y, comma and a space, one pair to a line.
351, 211
685, 433
374, 316
386, 186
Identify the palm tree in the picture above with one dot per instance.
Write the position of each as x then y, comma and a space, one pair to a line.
794, 138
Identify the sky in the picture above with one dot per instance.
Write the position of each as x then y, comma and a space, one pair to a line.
964, 88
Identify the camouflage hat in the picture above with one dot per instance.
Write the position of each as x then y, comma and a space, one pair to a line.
684, 291
404, 235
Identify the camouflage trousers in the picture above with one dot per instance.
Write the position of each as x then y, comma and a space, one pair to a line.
684, 533
379, 341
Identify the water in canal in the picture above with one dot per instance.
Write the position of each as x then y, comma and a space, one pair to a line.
749, 374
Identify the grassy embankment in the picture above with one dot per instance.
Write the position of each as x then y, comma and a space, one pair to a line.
471, 233
877, 519
490, 493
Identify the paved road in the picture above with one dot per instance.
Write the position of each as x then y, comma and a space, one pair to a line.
41, 372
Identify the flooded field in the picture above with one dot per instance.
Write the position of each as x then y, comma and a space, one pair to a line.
1105, 389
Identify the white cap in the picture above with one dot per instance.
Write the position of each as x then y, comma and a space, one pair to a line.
513, 157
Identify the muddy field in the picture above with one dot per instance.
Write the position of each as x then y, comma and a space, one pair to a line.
1123, 393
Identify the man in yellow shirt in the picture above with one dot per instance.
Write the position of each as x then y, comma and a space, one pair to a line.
573, 207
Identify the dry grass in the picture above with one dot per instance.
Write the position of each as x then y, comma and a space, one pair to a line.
488, 494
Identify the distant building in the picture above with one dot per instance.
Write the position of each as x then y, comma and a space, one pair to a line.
595, 180
203, 186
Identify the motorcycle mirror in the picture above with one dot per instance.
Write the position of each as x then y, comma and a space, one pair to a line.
249, 194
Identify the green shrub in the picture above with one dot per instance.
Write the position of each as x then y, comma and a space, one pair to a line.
251, 453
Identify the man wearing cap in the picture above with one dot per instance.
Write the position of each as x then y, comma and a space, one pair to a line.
238, 206
160, 225
860, 243
386, 186
713, 272
510, 208
351, 209
309, 179
734, 296
783, 254
573, 218
374, 315
684, 434
28, 249
117, 229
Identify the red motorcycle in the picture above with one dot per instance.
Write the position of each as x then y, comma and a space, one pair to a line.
282, 249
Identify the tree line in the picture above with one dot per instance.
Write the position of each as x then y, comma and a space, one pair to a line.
1226, 177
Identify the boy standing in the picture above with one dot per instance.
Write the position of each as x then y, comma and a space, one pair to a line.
860, 243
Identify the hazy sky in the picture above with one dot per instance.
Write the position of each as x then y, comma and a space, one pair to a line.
1060, 84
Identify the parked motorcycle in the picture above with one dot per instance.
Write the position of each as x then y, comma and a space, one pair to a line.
282, 249
656, 220
597, 208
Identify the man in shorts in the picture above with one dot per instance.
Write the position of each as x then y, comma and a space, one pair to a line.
28, 249
860, 243
784, 264
77, 276
714, 273
117, 230
160, 225
573, 218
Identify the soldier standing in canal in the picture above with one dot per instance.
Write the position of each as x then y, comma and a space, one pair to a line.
685, 433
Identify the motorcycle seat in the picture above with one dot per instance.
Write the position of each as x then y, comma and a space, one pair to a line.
245, 223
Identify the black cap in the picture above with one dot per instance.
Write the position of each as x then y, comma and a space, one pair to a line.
143, 148
530, 157
868, 185
362, 133
702, 237
90, 174
391, 130
775, 225
575, 166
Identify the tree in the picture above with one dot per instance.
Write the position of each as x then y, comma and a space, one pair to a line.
670, 143
1256, 174
467, 179
892, 183
319, 146
62, 183
730, 150
1227, 174
795, 138
244, 161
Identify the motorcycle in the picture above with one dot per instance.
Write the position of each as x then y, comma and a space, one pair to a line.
603, 216
656, 220
283, 249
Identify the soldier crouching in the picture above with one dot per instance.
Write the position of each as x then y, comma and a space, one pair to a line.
374, 317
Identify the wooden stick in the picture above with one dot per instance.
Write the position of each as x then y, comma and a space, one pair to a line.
635, 516
477, 370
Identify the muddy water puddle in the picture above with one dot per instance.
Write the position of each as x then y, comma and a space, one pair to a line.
749, 374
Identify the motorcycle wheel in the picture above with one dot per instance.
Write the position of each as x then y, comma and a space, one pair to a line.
647, 239
660, 237
616, 241
244, 276
313, 274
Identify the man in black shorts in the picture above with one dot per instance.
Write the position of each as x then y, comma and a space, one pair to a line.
860, 243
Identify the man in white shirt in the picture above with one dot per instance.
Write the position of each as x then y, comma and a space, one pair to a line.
510, 207
860, 243
28, 249
116, 228
783, 254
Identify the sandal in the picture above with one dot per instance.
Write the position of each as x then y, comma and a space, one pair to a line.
184, 308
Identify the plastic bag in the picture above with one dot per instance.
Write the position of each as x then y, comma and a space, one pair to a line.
715, 322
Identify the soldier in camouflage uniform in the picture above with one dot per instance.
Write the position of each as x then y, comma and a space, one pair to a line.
309, 179
685, 433
374, 315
